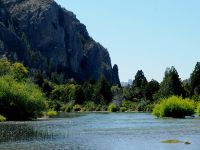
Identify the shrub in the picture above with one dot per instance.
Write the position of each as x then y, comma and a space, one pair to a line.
51, 113
55, 105
175, 107
2, 118
63, 93
123, 109
77, 107
16, 70
89, 106
198, 109
112, 107
98, 108
129, 105
20, 100
67, 107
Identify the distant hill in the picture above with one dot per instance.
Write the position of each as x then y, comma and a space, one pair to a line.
51, 40
124, 84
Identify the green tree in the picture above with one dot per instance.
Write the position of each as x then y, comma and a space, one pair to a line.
151, 88
64, 93
171, 85
19, 71
139, 86
79, 96
5, 67
103, 90
88, 90
195, 80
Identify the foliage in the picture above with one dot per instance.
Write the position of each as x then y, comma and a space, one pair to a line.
54, 104
20, 100
88, 90
123, 109
195, 80
90, 106
44, 84
19, 71
16, 70
175, 107
2, 118
51, 113
112, 107
151, 88
68, 107
198, 109
103, 91
79, 96
139, 85
64, 93
171, 85
77, 107
129, 105
5, 67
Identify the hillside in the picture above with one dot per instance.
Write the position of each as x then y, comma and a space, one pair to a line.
51, 40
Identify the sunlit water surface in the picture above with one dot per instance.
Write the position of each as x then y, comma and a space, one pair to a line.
100, 131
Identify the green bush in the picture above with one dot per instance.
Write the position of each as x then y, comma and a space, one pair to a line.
129, 105
198, 109
123, 109
112, 107
77, 107
67, 107
90, 106
51, 113
2, 118
20, 100
175, 107
16, 70
63, 93
55, 105
149, 107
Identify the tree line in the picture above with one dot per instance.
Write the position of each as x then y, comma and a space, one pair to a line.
26, 95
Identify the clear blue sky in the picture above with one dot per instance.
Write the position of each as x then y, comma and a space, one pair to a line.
144, 34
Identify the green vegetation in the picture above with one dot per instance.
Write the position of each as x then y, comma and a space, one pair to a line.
112, 107
27, 95
171, 141
20, 99
123, 109
198, 109
2, 118
51, 113
90, 106
171, 85
77, 107
175, 142
175, 107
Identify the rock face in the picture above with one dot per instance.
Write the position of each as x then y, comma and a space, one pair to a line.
50, 39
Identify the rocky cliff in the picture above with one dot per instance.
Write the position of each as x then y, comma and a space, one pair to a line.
50, 39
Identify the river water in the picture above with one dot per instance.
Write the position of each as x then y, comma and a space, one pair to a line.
101, 131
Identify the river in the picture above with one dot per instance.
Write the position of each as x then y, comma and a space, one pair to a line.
100, 131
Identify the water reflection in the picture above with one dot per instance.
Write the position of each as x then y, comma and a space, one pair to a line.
22, 131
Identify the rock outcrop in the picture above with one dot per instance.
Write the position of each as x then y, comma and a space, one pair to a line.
50, 39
